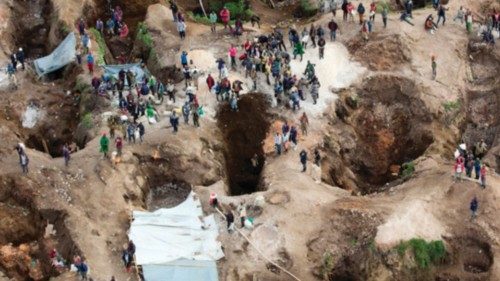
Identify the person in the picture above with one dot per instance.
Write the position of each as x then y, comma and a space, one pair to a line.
13, 60
304, 123
480, 148
210, 82
131, 132
119, 145
213, 21
24, 162
321, 45
174, 121
124, 31
225, 16
243, 214
458, 168
385, 12
482, 173
278, 140
344, 10
175, 9
474, 205
254, 19
293, 136
181, 27
315, 90
170, 90
350, 10
99, 25
66, 154
364, 30
303, 160
230, 221
333, 7
441, 14
317, 157
298, 50
333, 26
186, 110
468, 21
196, 118
142, 131
373, 11
213, 200
20, 57
12, 75
126, 258
469, 165
232, 54
460, 15
90, 63
233, 102
104, 143
477, 167
434, 67
81, 26
82, 269
409, 8
361, 13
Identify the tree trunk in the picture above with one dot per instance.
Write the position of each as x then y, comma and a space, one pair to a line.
203, 8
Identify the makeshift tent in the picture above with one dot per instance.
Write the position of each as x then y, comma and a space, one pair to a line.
113, 70
176, 242
64, 54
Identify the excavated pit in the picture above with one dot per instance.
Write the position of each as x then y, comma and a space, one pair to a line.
243, 134
165, 193
134, 12
383, 124
24, 239
32, 26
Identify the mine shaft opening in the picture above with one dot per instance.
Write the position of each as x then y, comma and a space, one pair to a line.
390, 127
243, 133
166, 193
31, 30
134, 12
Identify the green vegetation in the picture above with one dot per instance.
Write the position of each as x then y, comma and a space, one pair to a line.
81, 86
327, 265
101, 46
87, 121
143, 35
308, 9
408, 169
381, 5
425, 253
199, 18
452, 105
236, 8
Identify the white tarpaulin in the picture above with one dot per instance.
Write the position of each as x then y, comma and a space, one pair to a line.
64, 54
177, 233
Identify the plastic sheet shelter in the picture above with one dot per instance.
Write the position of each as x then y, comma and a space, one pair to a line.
113, 70
177, 242
64, 54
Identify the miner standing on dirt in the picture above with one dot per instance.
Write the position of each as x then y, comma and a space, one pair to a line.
474, 205
434, 67
66, 154
225, 15
104, 142
23, 158
303, 160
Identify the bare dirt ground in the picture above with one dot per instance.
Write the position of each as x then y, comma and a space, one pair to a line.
344, 207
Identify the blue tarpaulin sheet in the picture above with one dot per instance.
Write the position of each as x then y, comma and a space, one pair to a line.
181, 270
64, 54
136, 68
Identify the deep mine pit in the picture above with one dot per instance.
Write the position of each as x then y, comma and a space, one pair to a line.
28, 234
384, 124
243, 133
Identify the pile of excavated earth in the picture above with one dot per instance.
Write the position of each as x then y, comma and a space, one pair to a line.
386, 132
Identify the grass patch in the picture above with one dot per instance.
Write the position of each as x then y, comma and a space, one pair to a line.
451, 105
199, 18
143, 35
425, 253
327, 265
87, 121
381, 5
101, 46
408, 169
81, 87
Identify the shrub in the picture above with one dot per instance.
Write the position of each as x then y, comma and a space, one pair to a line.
143, 35
451, 105
327, 265
408, 169
307, 9
101, 46
237, 10
87, 121
425, 253
81, 86
381, 5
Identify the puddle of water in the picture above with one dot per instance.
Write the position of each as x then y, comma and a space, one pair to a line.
31, 116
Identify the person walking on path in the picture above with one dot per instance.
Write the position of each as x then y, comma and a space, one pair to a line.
474, 205
321, 45
181, 27
303, 160
196, 118
385, 12
230, 221
483, 176
119, 145
304, 123
213, 21
477, 167
441, 14
174, 121
232, 54
90, 63
361, 12
459, 169
104, 143
460, 15
333, 26
298, 50
66, 154
225, 15
434, 67
142, 131
317, 157
24, 161
278, 141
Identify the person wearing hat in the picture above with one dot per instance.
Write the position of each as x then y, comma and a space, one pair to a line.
20, 57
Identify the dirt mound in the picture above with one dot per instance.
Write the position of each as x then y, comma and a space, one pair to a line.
381, 52
383, 123
244, 132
